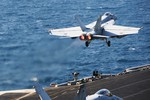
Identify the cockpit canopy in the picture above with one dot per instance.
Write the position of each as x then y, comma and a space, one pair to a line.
103, 92
108, 14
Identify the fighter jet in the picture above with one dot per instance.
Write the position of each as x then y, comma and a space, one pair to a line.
103, 94
102, 29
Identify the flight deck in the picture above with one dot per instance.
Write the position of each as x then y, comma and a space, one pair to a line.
131, 84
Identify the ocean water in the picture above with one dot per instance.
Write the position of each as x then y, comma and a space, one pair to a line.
28, 53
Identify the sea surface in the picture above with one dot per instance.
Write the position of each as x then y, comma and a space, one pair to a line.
28, 53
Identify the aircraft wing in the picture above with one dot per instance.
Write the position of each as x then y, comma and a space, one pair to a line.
71, 32
121, 30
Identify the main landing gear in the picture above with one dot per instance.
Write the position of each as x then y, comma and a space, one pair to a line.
108, 43
87, 43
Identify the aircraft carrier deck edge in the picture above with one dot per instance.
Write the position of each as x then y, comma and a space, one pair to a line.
131, 84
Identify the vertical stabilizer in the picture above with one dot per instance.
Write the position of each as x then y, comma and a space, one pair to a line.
42, 94
81, 93
83, 28
97, 27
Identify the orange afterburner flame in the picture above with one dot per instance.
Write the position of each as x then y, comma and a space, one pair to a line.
89, 37
82, 37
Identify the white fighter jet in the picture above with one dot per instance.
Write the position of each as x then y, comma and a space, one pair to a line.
102, 29
103, 94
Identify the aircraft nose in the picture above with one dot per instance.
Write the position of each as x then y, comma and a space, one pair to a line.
114, 17
50, 32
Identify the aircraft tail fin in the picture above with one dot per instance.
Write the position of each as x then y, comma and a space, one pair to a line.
98, 24
42, 94
83, 27
81, 93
